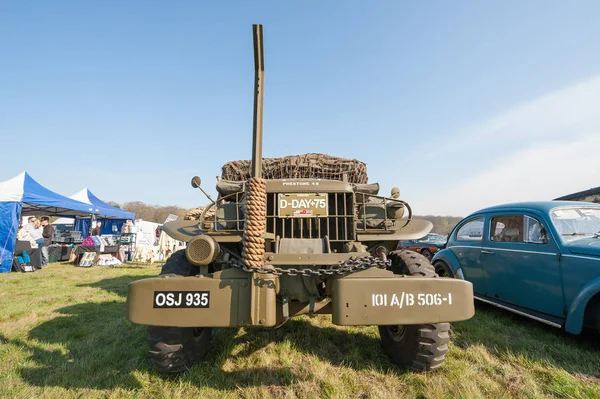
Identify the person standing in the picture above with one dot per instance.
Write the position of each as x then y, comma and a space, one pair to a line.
35, 229
96, 230
47, 231
23, 235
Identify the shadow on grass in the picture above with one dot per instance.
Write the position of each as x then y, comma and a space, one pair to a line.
90, 345
94, 346
507, 335
288, 346
118, 285
85, 346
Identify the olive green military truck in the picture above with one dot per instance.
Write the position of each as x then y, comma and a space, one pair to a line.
298, 235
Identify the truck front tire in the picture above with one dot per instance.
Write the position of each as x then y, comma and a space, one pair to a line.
174, 350
420, 347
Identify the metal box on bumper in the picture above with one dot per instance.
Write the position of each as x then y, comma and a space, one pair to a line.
378, 297
234, 298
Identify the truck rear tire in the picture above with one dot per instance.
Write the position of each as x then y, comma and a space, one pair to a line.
419, 347
174, 350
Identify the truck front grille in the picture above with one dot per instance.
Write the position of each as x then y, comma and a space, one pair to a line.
338, 225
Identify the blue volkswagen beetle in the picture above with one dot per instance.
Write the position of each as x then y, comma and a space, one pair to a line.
537, 259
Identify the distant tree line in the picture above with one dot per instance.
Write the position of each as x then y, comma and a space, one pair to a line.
150, 213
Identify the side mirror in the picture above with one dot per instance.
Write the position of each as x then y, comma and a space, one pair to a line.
196, 182
395, 193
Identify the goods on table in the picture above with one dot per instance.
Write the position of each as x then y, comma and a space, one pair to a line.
87, 259
67, 237
110, 239
108, 260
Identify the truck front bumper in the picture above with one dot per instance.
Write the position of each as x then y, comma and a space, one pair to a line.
234, 298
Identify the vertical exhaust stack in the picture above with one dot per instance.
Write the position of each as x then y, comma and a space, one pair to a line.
262, 299
259, 74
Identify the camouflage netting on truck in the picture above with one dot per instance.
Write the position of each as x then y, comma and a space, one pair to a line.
316, 166
194, 214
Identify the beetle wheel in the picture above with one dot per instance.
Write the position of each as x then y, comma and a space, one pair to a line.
442, 269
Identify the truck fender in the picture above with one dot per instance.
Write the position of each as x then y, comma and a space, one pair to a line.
574, 323
448, 257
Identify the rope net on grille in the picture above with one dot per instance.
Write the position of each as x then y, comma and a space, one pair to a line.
194, 214
307, 166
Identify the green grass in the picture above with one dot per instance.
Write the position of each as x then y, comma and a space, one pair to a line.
63, 334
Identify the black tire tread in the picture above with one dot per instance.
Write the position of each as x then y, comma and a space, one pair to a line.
426, 344
174, 350
412, 263
179, 265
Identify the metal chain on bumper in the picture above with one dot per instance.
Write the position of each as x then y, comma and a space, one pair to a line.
347, 267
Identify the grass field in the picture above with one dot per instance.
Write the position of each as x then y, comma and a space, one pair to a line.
64, 335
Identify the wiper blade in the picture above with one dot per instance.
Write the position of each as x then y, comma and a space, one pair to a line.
574, 234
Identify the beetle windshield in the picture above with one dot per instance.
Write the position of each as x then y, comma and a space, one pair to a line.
436, 237
575, 223
432, 237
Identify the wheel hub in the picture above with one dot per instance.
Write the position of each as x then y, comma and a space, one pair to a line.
197, 333
441, 272
397, 332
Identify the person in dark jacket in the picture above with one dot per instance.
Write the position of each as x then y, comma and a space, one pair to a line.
96, 230
47, 232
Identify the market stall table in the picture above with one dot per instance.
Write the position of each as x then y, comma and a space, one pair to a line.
34, 253
57, 253
108, 249
79, 250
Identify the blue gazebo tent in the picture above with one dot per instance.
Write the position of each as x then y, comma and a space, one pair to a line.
112, 218
104, 210
23, 196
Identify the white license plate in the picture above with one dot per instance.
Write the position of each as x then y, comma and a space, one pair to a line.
181, 299
302, 205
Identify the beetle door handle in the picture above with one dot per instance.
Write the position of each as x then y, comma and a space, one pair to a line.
485, 251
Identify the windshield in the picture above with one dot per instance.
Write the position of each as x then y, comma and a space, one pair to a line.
575, 223
432, 237
436, 237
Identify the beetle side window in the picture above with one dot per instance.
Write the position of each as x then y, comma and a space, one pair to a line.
535, 232
471, 231
517, 228
507, 228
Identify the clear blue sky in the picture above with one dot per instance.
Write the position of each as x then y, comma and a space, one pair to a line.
132, 98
